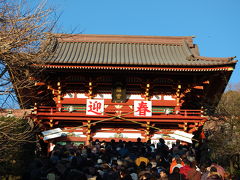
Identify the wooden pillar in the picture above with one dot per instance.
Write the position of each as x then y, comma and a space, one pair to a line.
196, 126
56, 95
90, 90
35, 108
51, 123
202, 111
35, 112
88, 133
185, 127
178, 94
147, 136
59, 96
147, 96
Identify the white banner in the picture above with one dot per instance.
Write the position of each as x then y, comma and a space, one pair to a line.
51, 131
182, 133
52, 136
142, 108
182, 136
95, 107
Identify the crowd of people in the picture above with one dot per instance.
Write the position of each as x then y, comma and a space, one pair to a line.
125, 161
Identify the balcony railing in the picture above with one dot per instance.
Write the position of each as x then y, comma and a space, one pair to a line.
80, 110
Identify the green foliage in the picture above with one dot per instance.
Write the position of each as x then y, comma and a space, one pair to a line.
16, 145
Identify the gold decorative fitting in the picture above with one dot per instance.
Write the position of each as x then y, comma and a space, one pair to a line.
118, 106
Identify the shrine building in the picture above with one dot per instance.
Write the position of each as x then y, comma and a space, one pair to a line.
124, 87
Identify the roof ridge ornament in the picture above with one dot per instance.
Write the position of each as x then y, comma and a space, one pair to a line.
223, 59
53, 44
232, 58
191, 58
172, 40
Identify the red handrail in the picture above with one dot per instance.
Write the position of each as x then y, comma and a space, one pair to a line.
112, 109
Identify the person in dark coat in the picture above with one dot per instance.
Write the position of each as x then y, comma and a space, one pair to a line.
192, 173
176, 175
124, 175
162, 148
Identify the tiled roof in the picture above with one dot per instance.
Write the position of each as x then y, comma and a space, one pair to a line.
130, 51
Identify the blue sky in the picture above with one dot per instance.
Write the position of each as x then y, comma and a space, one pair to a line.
215, 23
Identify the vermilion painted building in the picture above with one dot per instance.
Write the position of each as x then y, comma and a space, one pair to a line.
125, 87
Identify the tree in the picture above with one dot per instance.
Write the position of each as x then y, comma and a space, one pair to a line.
24, 36
224, 131
15, 135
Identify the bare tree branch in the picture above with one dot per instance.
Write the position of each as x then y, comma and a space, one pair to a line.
25, 34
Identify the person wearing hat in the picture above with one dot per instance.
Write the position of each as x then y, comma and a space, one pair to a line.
141, 159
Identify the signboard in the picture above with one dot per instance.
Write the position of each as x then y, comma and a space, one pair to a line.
118, 93
95, 107
142, 108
